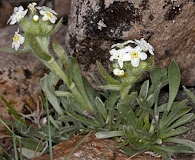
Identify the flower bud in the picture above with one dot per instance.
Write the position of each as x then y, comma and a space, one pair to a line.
35, 18
118, 72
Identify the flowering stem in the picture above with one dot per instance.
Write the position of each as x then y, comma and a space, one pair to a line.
50, 63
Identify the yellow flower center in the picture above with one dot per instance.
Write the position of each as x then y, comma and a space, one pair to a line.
16, 38
134, 55
49, 14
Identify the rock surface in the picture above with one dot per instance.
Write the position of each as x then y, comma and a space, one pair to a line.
167, 25
91, 149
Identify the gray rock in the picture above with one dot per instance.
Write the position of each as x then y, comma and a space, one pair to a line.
167, 25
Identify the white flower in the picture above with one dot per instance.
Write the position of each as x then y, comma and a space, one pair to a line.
118, 55
145, 46
135, 55
118, 72
17, 40
18, 14
48, 14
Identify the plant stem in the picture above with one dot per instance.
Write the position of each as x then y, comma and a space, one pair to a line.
50, 63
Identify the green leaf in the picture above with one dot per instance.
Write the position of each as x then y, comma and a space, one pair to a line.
190, 94
91, 92
75, 105
69, 129
181, 141
127, 114
128, 133
78, 81
111, 87
63, 94
174, 132
32, 132
54, 122
145, 105
65, 103
167, 117
107, 77
84, 120
59, 50
155, 90
184, 119
108, 134
177, 116
144, 90
77, 76
48, 83
175, 149
124, 91
157, 76
113, 97
39, 47
101, 107
131, 99
174, 83
32, 143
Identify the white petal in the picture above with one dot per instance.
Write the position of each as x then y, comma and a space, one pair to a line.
151, 51
128, 49
113, 51
111, 58
126, 57
13, 21
135, 62
42, 12
52, 11
138, 49
21, 39
15, 45
45, 18
20, 8
15, 9
53, 19
143, 56
120, 62
25, 12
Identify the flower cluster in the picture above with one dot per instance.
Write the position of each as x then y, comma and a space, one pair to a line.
19, 14
124, 52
